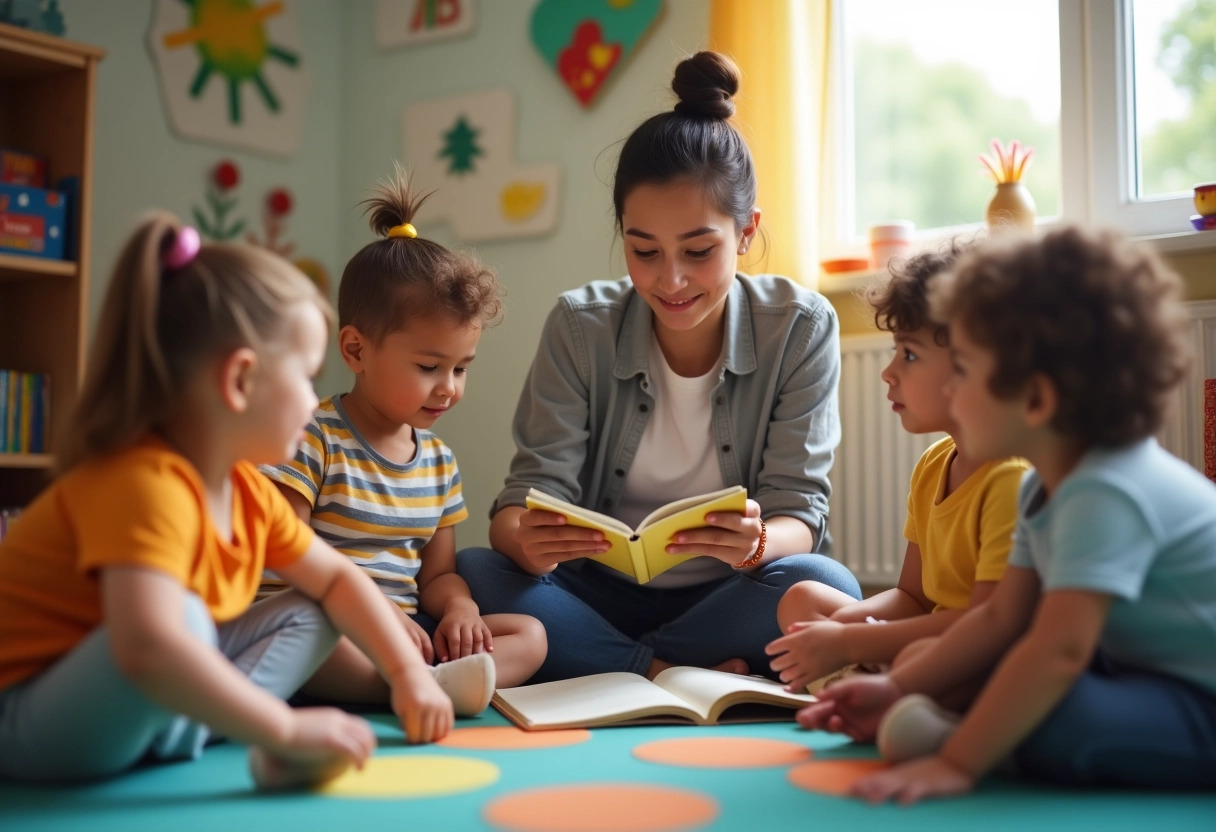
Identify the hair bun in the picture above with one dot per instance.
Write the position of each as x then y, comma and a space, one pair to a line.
705, 83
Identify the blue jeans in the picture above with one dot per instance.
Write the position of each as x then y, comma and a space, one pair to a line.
1120, 726
597, 623
80, 718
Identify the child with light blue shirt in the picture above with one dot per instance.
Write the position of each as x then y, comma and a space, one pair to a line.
1095, 657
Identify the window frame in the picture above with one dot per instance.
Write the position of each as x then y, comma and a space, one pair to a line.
1107, 42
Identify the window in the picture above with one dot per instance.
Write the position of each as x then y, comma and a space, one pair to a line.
921, 88
1174, 77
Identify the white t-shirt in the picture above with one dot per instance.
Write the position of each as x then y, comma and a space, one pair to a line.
676, 458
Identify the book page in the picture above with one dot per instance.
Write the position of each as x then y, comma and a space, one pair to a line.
704, 501
712, 691
662, 525
602, 699
591, 519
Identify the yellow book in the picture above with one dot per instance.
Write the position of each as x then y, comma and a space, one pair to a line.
640, 553
677, 695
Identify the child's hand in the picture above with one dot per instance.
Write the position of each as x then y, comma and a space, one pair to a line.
810, 651
547, 539
322, 744
913, 781
420, 638
852, 706
424, 710
462, 633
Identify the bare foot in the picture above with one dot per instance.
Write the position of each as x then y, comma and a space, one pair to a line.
738, 666
732, 666
274, 774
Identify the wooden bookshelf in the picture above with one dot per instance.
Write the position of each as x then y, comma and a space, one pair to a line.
47, 94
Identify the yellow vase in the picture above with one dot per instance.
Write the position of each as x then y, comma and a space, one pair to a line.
1011, 207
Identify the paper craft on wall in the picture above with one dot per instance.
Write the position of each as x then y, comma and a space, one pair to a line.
408, 22
463, 149
216, 220
586, 40
36, 15
231, 72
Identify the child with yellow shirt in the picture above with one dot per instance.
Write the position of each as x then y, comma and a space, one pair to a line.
961, 512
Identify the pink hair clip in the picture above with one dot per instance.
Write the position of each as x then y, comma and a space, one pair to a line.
184, 249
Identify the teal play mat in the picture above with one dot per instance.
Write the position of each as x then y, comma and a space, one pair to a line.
215, 794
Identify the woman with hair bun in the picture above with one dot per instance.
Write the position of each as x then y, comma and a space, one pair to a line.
685, 377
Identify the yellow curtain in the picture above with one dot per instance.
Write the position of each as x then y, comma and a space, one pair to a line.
782, 49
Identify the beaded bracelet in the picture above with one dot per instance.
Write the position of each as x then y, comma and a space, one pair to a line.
756, 556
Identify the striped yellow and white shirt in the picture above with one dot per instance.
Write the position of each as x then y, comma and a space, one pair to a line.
378, 513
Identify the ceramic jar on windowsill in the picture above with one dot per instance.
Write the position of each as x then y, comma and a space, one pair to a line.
1011, 207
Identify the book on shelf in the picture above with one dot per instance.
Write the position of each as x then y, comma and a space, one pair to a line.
641, 552
24, 411
681, 694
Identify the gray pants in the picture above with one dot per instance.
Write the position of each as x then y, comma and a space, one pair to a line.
82, 719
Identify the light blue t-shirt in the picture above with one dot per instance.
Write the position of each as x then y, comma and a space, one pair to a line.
1140, 525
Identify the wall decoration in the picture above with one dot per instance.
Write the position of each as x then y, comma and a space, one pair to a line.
231, 72
462, 148
409, 22
31, 14
215, 223
586, 40
275, 208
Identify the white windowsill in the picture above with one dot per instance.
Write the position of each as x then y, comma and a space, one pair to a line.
1179, 242
1188, 241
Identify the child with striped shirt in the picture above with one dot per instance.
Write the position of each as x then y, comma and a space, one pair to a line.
373, 481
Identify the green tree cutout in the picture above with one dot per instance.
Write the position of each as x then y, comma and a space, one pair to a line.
460, 146
1180, 154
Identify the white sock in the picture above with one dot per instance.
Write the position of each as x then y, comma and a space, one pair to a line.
468, 682
915, 726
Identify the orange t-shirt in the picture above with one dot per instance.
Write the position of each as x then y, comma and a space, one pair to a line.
144, 506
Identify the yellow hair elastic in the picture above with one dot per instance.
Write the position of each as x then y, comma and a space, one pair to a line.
403, 230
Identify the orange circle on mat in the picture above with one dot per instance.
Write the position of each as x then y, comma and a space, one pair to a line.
605, 807
508, 737
832, 776
722, 752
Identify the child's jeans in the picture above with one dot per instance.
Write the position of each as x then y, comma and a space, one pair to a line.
597, 623
82, 719
1122, 726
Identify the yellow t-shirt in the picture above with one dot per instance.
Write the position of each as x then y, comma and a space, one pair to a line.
142, 506
965, 537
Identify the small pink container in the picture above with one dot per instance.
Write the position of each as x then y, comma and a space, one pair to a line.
893, 239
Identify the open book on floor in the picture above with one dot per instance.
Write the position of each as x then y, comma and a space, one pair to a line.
677, 695
641, 553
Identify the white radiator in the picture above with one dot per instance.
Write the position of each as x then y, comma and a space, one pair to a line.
875, 459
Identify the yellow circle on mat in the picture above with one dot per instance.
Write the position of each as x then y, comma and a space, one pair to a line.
722, 752
508, 737
832, 776
413, 776
603, 807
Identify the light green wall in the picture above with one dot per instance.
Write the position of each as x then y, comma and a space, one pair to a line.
353, 134
140, 164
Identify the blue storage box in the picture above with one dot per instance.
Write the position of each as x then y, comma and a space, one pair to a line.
33, 221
